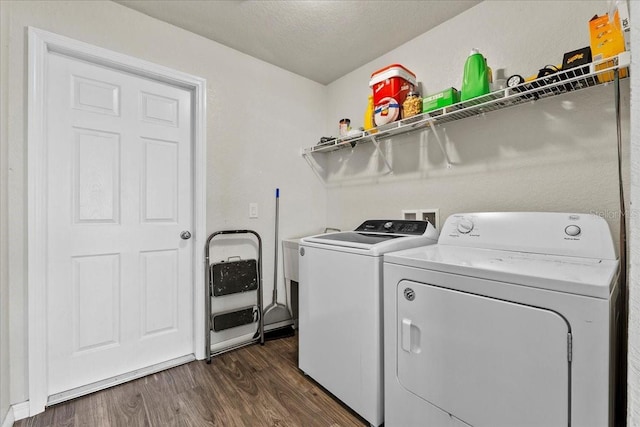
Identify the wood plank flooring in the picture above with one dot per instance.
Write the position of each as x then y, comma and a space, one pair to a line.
252, 386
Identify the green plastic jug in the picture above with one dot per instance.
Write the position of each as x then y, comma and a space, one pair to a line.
475, 81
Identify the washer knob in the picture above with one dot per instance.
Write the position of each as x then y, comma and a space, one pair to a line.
388, 225
465, 226
572, 230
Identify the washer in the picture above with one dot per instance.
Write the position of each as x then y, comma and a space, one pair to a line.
340, 301
508, 321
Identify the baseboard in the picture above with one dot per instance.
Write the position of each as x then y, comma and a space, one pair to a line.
21, 410
119, 379
8, 418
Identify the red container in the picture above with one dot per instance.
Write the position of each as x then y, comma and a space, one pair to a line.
390, 87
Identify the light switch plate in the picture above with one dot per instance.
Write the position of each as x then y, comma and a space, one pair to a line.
253, 210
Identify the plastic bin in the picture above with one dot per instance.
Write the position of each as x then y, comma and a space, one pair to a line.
390, 86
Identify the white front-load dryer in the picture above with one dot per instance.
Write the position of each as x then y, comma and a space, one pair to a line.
508, 321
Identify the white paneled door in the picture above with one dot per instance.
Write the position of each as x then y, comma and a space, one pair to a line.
119, 195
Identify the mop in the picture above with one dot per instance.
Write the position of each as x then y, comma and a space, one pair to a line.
277, 316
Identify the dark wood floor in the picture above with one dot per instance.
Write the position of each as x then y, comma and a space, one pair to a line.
253, 386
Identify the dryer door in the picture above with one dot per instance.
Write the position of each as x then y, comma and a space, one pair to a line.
487, 362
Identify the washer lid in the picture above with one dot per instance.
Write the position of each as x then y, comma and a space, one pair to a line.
357, 237
581, 276
366, 243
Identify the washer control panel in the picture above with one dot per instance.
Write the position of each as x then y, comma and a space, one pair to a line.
396, 226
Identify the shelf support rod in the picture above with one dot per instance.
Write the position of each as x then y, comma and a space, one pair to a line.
312, 165
376, 143
444, 151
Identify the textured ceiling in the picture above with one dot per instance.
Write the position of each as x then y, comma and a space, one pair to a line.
321, 40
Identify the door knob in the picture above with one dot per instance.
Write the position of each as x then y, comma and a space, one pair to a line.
185, 235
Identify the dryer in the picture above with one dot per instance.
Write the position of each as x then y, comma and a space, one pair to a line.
340, 301
509, 320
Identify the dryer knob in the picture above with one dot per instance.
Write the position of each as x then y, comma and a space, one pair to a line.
465, 226
572, 230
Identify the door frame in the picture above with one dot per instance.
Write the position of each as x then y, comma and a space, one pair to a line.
41, 43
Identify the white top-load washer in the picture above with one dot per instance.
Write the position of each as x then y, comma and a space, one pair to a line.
508, 321
340, 301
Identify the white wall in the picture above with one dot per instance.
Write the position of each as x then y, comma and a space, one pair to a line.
259, 116
633, 402
4, 246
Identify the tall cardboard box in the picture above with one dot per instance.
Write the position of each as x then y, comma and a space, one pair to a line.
607, 40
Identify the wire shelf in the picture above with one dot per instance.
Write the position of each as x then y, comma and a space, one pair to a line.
575, 79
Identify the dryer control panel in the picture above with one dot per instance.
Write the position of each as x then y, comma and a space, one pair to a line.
569, 234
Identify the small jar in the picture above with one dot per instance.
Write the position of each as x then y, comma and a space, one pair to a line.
412, 105
345, 127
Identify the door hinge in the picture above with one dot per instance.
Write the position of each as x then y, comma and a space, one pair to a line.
569, 346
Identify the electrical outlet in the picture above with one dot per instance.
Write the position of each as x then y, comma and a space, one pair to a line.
253, 210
